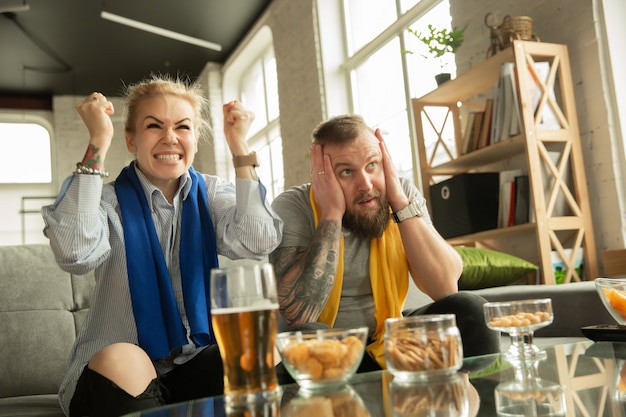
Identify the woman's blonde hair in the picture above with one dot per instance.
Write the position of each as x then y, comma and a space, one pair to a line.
165, 85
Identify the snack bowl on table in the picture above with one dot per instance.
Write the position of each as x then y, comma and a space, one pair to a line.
422, 347
322, 359
612, 292
520, 319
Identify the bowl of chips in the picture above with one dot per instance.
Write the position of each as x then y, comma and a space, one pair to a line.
322, 359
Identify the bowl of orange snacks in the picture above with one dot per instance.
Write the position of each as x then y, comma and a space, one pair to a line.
322, 359
612, 292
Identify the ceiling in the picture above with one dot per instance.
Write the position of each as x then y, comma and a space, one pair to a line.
64, 47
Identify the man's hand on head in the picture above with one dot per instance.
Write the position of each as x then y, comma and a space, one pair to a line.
396, 196
329, 196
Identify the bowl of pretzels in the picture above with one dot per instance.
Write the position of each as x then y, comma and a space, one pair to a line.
420, 347
322, 359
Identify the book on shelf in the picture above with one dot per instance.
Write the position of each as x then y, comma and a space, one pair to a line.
478, 121
515, 126
485, 128
467, 134
522, 200
506, 204
507, 199
477, 132
496, 112
509, 117
472, 131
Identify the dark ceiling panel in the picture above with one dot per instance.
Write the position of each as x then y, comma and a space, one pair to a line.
64, 47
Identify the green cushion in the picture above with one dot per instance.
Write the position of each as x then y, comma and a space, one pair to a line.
484, 268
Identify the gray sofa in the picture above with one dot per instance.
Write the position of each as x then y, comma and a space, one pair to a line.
42, 307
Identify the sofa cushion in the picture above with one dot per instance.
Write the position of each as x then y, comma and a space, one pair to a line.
31, 405
485, 268
41, 308
37, 344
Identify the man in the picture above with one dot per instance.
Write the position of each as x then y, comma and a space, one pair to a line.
344, 263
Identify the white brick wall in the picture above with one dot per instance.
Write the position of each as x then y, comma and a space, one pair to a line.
299, 85
208, 148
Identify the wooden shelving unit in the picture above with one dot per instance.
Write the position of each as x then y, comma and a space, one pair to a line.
550, 179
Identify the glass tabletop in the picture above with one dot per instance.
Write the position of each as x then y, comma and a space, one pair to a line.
584, 378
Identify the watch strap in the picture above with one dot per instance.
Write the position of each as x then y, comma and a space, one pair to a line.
413, 209
245, 160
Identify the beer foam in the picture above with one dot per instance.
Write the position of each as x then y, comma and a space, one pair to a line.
255, 307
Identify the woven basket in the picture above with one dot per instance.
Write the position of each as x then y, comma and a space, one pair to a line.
516, 28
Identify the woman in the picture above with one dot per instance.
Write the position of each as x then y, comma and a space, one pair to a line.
152, 237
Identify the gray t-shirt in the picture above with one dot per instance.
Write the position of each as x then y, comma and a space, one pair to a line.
357, 302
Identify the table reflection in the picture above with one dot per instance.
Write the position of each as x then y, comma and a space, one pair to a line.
451, 396
530, 398
344, 402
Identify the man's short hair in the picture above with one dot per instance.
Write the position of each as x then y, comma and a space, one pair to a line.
339, 129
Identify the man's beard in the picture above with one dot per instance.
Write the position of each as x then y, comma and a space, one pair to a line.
368, 227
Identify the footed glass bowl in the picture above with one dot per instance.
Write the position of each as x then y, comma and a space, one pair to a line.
520, 319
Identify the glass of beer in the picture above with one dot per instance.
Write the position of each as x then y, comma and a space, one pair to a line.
244, 310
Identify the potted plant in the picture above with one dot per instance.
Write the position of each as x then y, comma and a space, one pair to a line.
439, 43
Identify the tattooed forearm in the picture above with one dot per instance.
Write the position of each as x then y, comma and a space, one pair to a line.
92, 158
306, 275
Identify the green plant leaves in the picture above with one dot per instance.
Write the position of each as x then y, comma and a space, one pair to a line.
440, 41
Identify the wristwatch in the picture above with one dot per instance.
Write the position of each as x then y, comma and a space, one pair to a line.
414, 209
245, 160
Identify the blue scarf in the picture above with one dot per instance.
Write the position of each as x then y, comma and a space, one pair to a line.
159, 324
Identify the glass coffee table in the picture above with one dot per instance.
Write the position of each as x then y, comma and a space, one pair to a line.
586, 375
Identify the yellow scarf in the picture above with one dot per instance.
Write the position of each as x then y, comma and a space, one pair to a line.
389, 278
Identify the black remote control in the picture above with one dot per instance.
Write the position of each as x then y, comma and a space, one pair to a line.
605, 332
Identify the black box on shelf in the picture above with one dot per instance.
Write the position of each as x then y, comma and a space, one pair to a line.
466, 203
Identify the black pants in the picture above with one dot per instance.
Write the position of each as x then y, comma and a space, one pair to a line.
202, 376
476, 337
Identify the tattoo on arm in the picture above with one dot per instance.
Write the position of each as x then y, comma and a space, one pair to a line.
92, 159
306, 275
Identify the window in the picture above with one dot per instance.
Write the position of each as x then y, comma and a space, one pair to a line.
26, 147
25, 176
255, 82
383, 78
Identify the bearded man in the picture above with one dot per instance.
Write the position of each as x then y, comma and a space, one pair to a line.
355, 236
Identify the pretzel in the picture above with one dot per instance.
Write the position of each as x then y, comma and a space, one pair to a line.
406, 353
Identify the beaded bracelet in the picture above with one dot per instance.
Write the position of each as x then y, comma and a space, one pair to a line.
82, 169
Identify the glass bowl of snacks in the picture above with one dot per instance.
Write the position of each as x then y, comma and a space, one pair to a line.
612, 292
520, 319
420, 347
322, 359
